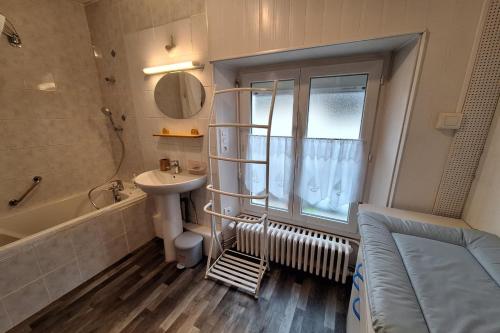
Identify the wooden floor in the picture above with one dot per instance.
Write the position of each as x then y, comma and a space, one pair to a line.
143, 294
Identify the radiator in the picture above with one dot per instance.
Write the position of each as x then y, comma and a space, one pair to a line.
319, 253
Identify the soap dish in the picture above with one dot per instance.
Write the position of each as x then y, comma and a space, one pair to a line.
196, 167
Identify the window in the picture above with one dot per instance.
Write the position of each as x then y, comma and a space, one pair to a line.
322, 124
283, 120
282, 144
336, 106
335, 112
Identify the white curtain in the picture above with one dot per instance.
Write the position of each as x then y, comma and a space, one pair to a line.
280, 166
331, 172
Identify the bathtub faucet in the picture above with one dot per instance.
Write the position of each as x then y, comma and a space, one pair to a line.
116, 187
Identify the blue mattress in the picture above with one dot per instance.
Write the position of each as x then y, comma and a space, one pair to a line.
428, 278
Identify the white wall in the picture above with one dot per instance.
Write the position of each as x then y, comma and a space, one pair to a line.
245, 27
482, 210
390, 121
225, 173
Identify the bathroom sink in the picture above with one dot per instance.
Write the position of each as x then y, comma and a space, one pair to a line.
164, 182
165, 187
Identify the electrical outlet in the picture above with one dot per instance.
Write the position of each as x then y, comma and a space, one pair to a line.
228, 211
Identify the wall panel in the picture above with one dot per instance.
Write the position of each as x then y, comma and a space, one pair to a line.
450, 23
479, 107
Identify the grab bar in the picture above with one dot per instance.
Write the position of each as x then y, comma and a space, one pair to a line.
36, 181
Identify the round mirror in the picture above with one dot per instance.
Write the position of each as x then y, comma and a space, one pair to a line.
179, 95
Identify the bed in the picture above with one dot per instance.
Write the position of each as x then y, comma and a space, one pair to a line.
420, 277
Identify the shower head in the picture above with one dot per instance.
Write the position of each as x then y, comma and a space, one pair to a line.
8, 29
106, 111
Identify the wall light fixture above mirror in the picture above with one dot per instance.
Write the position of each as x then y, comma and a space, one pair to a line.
180, 66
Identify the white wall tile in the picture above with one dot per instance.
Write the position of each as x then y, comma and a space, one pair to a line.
63, 280
18, 270
33, 118
26, 301
110, 226
181, 31
116, 249
55, 251
92, 261
138, 225
85, 237
5, 322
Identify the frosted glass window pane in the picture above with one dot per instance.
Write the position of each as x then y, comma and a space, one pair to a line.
283, 108
336, 106
282, 126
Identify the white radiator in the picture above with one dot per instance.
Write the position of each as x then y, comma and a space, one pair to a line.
315, 252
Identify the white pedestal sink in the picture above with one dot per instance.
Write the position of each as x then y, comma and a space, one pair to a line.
165, 186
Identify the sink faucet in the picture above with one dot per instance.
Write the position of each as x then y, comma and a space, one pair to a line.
176, 166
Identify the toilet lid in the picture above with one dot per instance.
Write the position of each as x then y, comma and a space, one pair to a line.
187, 240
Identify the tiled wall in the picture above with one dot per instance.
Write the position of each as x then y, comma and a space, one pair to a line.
50, 124
137, 31
37, 272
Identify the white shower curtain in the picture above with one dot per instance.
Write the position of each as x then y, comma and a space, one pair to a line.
331, 171
280, 166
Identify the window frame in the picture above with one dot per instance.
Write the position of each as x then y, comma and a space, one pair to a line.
246, 117
371, 68
302, 75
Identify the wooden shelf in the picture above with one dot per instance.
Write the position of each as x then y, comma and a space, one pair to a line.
165, 133
179, 135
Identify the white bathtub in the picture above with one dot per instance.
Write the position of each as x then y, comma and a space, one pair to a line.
64, 213
63, 244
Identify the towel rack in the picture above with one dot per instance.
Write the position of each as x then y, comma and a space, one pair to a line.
233, 267
36, 181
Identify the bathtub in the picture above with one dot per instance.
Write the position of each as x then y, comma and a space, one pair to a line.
55, 247
63, 213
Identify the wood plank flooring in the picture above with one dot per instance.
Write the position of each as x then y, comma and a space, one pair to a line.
141, 293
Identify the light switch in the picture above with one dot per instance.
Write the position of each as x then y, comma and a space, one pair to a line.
223, 140
449, 120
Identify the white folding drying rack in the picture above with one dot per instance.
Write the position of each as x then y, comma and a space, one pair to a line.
232, 267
